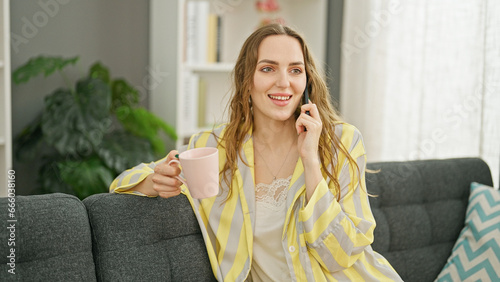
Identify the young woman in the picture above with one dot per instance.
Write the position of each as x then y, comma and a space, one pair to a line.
293, 204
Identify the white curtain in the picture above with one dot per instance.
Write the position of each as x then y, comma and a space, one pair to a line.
421, 79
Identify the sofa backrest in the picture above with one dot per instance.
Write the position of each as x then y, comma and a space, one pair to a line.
146, 239
419, 207
48, 239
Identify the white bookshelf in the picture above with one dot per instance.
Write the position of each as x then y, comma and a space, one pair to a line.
211, 67
239, 20
5, 104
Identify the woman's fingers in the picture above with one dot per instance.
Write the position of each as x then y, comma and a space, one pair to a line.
169, 194
308, 141
311, 121
167, 169
165, 175
164, 180
172, 156
167, 190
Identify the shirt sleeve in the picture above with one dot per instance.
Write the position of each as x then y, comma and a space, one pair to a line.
131, 177
337, 232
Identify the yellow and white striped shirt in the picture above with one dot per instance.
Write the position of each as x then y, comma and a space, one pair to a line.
325, 240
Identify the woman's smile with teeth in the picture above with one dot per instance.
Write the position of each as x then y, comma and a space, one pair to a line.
282, 98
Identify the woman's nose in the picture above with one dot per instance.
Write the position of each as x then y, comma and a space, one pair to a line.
283, 80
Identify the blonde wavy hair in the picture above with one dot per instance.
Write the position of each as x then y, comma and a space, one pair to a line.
240, 108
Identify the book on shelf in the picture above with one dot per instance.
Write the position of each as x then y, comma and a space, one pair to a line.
214, 38
202, 34
189, 104
194, 105
202, 102
197, 31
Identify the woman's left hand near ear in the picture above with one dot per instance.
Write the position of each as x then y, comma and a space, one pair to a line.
308, 141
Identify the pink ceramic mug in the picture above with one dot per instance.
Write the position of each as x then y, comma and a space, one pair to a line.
201, 171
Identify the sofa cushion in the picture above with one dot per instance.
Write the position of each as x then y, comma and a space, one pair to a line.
476, 254
51, 239
419, 207
146, 239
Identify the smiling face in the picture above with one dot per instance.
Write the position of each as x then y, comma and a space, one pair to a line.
279, 79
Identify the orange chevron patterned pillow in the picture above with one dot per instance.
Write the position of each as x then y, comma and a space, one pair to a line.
476, 254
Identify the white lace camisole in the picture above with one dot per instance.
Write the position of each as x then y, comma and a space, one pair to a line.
269, 262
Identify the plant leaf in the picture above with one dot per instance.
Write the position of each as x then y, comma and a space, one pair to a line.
75, 124
143, 123
123, 94
94, 98
38, 65
86, 177
28, 143
121, 151
49, 178
98, 71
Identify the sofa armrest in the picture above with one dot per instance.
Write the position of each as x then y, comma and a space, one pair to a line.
49, 237
146, 239
420, 210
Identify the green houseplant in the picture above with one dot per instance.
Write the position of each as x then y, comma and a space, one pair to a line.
87, 133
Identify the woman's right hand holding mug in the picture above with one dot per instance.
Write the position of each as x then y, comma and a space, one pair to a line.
164, 180
200, 166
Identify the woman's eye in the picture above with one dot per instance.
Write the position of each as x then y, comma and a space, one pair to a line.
266, 69
296, 71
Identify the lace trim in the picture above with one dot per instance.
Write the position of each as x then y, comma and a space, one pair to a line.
274, 194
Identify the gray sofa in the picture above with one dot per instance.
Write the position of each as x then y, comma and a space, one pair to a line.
419, 207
